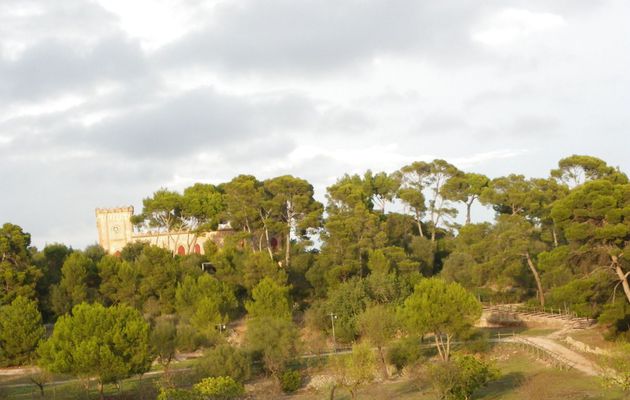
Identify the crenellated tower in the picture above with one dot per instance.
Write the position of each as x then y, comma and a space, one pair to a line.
114, 228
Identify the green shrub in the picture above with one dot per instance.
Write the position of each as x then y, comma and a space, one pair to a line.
403, 353
225, 360
459, 378
290, 381
220, 388
178, 394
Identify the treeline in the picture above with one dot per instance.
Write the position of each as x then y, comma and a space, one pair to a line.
363, 259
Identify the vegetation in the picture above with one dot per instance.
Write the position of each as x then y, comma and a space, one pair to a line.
383, 265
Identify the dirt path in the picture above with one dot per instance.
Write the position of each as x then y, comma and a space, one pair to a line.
579, 362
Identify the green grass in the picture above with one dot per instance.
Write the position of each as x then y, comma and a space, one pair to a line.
522, 377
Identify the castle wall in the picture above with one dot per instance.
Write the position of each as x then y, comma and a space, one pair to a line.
115, 231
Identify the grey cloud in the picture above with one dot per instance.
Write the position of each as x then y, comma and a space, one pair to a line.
51, 68
198, 120
280, 36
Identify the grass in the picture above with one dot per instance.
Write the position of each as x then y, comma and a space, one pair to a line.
522, 377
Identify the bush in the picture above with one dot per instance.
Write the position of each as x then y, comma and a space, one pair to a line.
290, 381
220, 388
403, 353
458, 379
225, 360
178, 394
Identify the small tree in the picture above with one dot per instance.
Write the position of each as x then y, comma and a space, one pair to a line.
378, 324
275, 340
220, 388
444, 309
164, 343
108, 344
354, 370
21, 330
269, 300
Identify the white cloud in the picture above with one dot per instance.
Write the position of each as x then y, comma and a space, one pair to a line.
509, 26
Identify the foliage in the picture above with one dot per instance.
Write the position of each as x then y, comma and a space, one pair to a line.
178, 394
290, 381
225, 360
378, 324
458, 379
21, 330
446, 310
18, 276
403, 353
616, 367
269, 300
274, 340
74, 287
355, 369
220, 388
108, 344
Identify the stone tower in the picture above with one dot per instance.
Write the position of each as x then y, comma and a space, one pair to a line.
114, 228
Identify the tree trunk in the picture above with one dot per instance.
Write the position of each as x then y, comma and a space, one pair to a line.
332, 392
383, 362
287, 250
532, 267
623, 277
439, 346
555, 236
100, 391
468, 207
419, 227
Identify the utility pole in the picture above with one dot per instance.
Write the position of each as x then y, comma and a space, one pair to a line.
333, 317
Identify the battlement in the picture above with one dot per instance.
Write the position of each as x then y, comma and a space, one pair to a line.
114, 210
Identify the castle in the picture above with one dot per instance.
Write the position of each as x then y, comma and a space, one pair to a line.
115, 230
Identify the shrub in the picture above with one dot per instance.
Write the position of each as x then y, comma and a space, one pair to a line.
458, 379
290, 381
225, 360
220, 388
178, 394
403, 353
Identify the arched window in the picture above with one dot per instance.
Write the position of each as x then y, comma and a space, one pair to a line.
181, 250
197, 249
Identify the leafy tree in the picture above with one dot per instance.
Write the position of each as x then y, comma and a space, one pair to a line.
162, 211
378, 324
446, 310
269, 300
256, 266
354, 370
158, 273
512, 194
465, 188
193, 293
18, 276
383, 187
73, 288
225, 360
202, 205
595, 216
578, 169
220, 388
108, 344
274, 340
292, 204
163, 340
243, 202
347, 301
21, 330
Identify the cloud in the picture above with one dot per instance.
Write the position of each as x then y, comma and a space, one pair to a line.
285, 36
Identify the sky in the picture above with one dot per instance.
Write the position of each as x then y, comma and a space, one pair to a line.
104, 102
